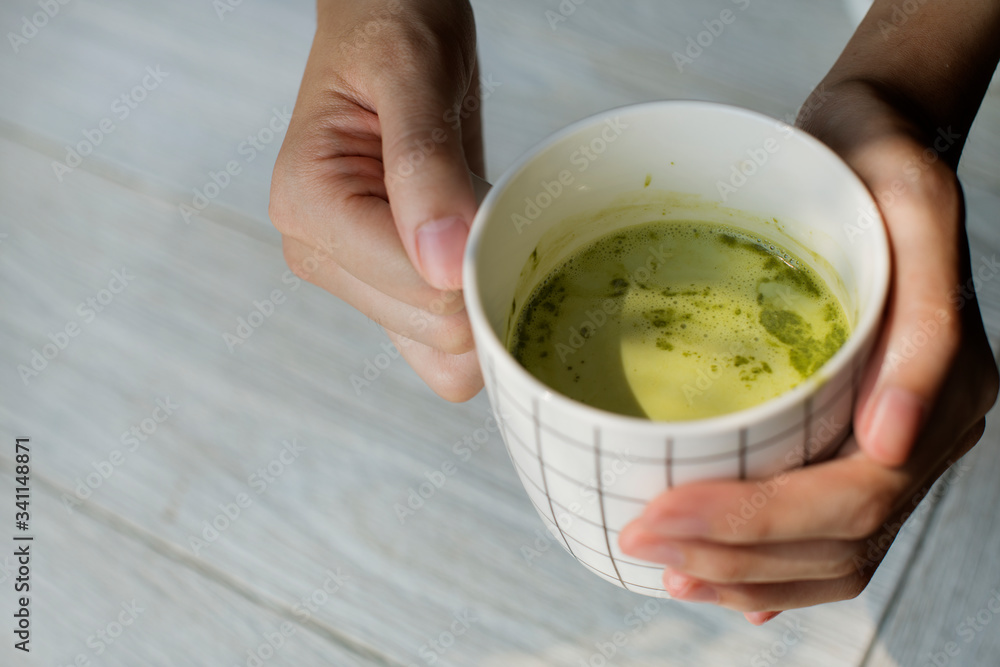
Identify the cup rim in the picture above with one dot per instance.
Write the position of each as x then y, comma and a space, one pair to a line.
868, 324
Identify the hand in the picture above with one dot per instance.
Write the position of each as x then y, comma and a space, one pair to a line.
929, 383
371, 190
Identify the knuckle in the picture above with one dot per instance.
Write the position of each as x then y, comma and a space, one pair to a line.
951, 339
951, 332
455, 383
406, 44
852, 586
938, 185
429, 145
458, 391
276, 208
745, 597
294, 260
868, 515
941, 329
439, 303
946, 318
933, 322
730, 569
449, 334
763, 528
456, 335
279, 207
845, 562
411, 42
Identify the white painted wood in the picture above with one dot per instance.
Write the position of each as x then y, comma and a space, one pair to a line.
89, 578
948, 605
334, 506
162, 337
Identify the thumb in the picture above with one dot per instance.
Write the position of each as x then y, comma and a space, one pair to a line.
920, 337
427, 177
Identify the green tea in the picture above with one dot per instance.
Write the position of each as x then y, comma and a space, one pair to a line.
678, 320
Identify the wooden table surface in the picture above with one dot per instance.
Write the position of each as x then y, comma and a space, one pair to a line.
197, 505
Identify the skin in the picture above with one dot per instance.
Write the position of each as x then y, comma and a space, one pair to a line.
880, 107
358, 189
378, 150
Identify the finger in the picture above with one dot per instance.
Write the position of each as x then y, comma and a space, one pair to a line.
854, 566
716, 563
448, 333
472, 126
337, 203
759, 563
426, 173
846, 498
922, 208
760, 617
454, 378
767, 598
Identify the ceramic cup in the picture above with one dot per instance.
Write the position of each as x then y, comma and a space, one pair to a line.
589, 472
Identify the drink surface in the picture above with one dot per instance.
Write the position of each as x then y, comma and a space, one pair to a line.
676, 321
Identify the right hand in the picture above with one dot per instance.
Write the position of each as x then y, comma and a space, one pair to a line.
371, 190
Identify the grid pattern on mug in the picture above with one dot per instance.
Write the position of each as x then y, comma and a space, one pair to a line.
585, 531
587, 554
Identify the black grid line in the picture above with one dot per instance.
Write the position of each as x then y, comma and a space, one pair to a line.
600, 498
497, 411
538, 443
523, 445
852, 385
607, 494
513, 437
558, 504
834, 446
743, 453
669, 461
503, 429
694, 460
559, 473
598, 551
498, 405
626, 584
545, 519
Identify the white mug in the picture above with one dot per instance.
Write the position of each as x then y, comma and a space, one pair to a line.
589, 472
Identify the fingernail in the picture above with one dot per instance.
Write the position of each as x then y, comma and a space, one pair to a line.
760, 617
659, 552
685, 588
895, 421
440, 245
676, 526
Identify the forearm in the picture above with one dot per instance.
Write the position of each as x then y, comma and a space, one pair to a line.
934, 62
368, 18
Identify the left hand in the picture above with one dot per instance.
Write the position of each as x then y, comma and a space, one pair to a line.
821, 536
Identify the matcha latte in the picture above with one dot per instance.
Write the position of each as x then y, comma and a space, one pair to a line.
678, 320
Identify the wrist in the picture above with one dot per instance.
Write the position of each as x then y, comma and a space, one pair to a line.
855, 111
932, 63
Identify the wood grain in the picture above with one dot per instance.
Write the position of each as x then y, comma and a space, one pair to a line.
363, 451
948, 605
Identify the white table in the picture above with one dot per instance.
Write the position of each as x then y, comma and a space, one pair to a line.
321, 525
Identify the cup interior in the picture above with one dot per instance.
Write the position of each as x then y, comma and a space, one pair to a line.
676, 161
